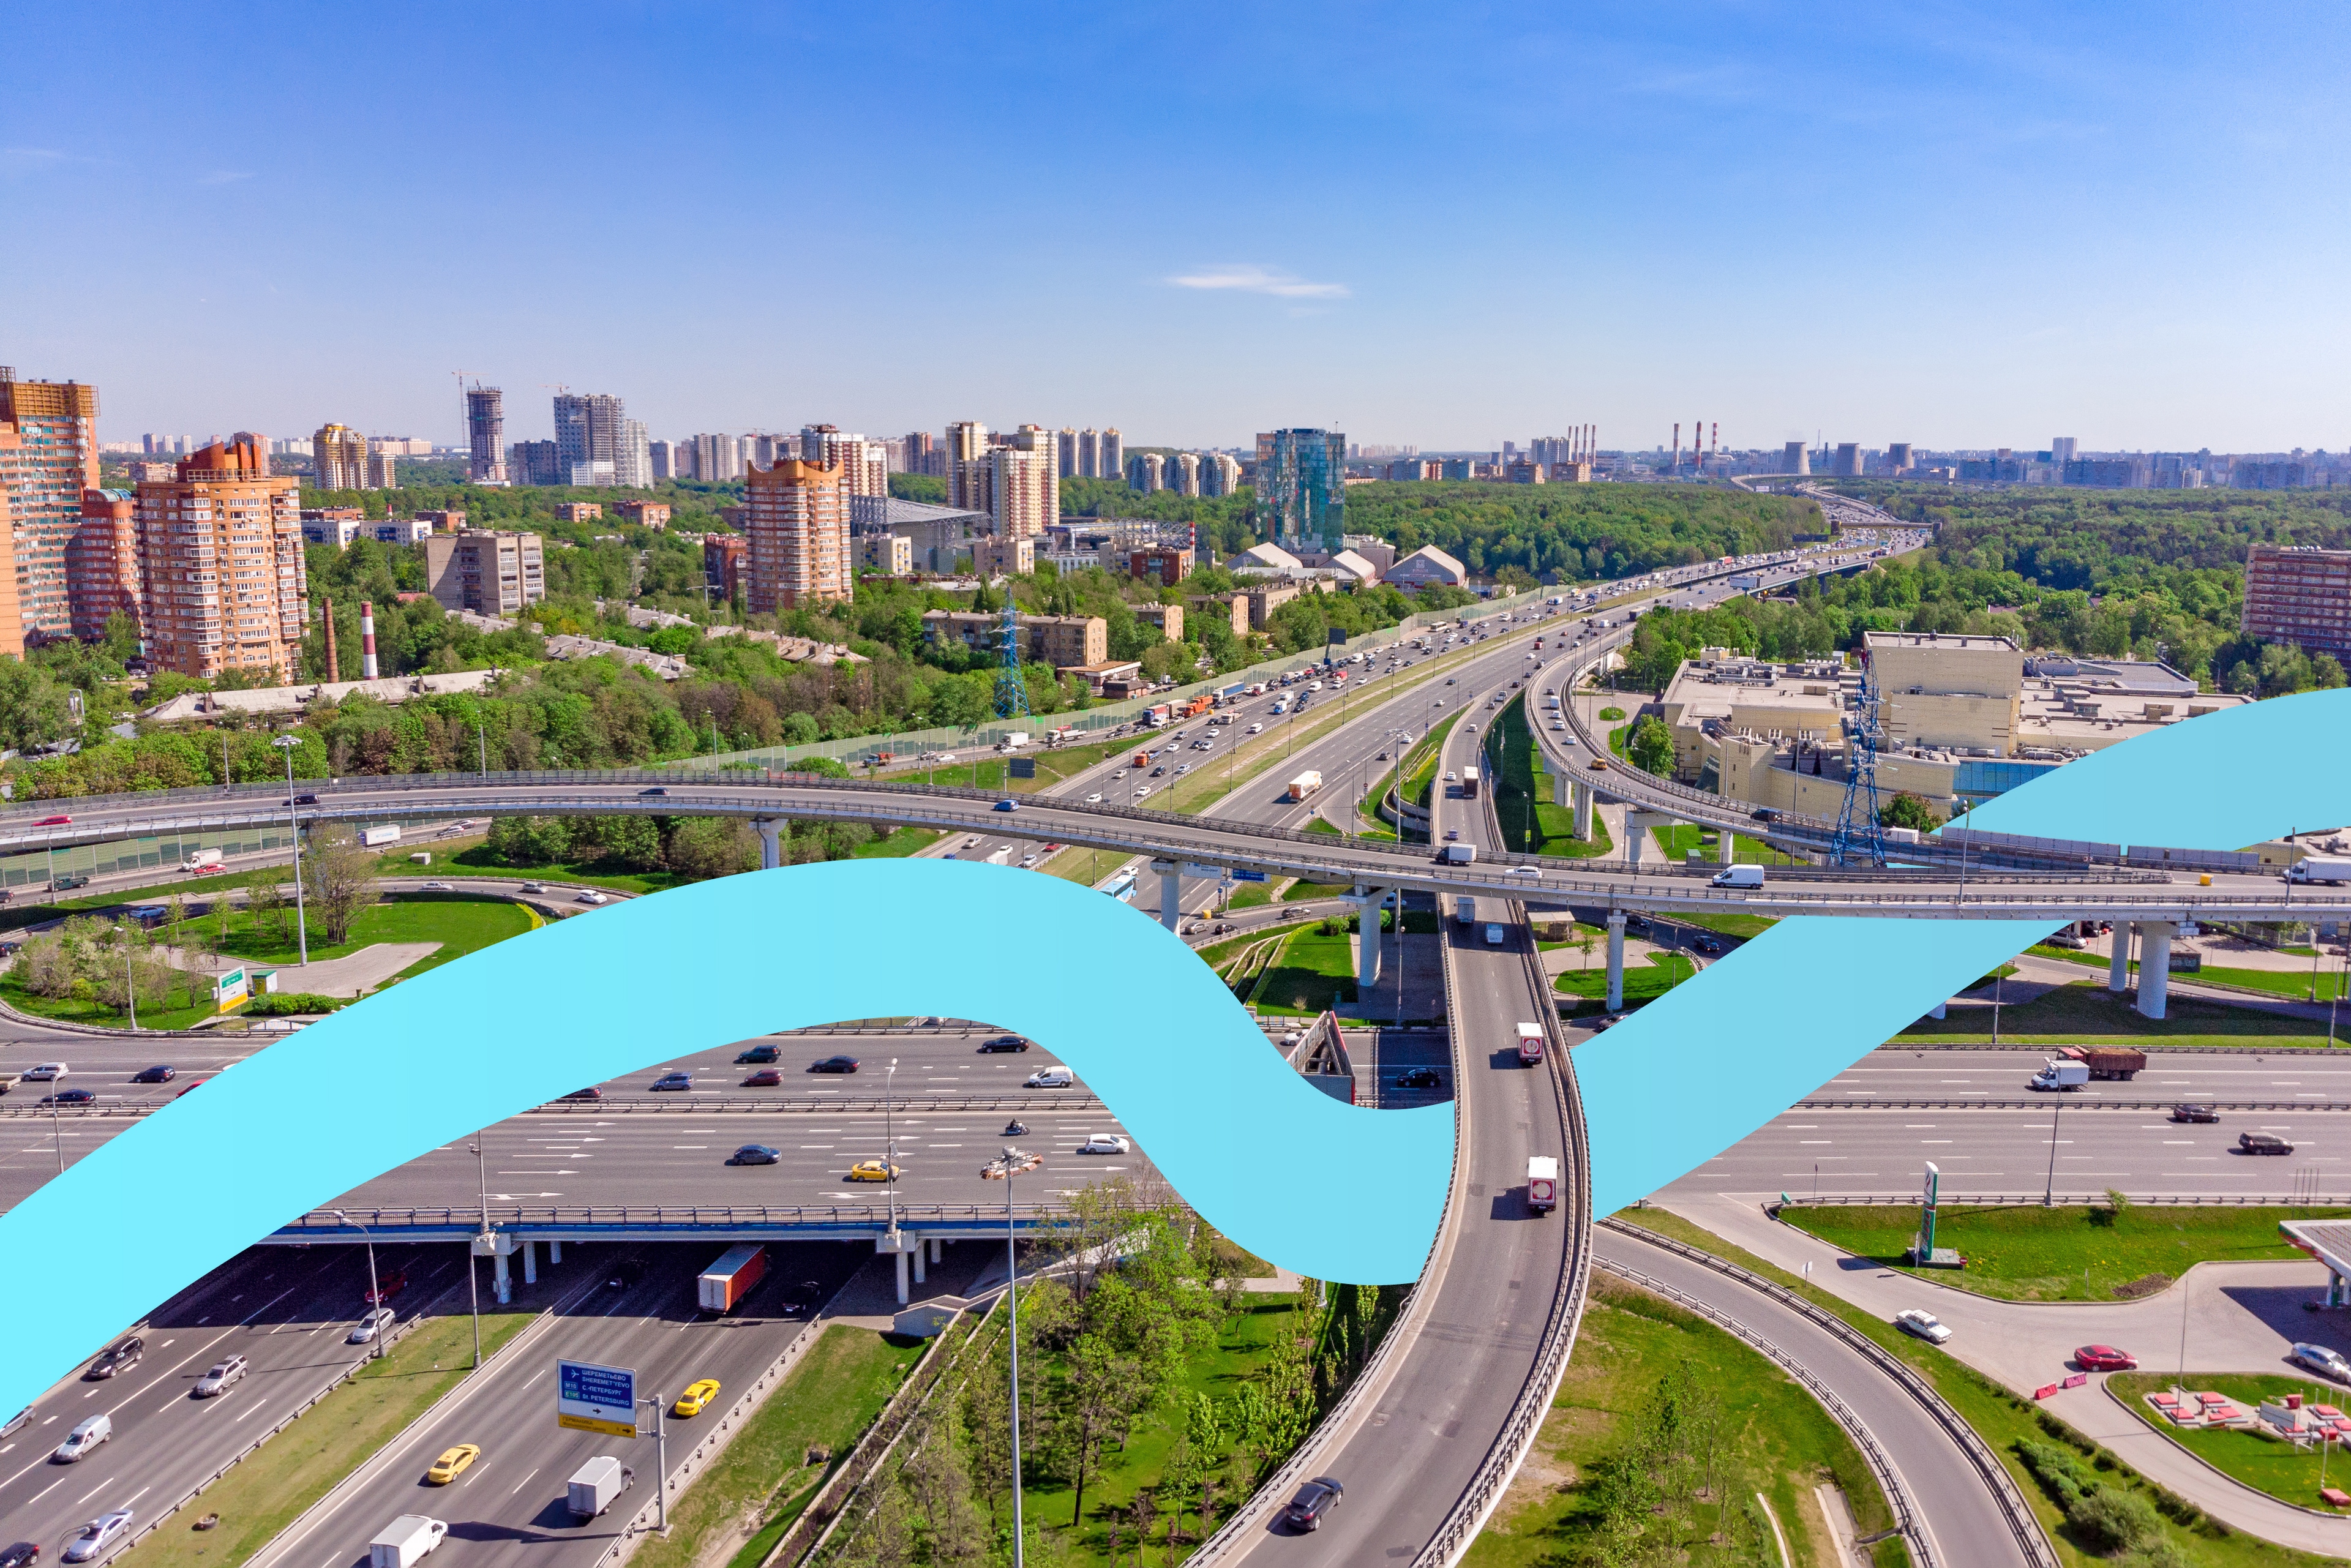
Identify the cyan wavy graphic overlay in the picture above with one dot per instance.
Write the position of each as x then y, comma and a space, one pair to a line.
1700, 1068
1146, 1025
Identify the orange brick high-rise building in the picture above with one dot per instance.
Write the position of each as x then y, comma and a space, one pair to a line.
221, 553
798, 525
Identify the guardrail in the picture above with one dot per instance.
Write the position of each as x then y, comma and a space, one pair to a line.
1565, 1313
2070, 1103
1986, 1463
2011, 1200
320, 1223
750, 1103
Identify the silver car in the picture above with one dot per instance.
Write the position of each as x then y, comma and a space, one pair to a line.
2320, 1359
220, 1375
98, 1536
368, 1327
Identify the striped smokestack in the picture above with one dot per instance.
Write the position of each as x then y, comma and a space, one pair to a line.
367, 640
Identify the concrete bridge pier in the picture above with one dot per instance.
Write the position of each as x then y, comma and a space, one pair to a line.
920, 1251
909, 1251
1368, 903
531, 1262
554, 1252
2118, 966
1584, 802
1563, 788
772, 832
2155, 966
1616, 960
1726, 845
1171, 894
501, 1247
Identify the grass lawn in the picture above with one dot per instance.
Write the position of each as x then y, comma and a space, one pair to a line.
1746, 927
1321, 825
898, 842
332, 1439
2266, 1464
1085, 866
2005, 1418
2077, 1252
1522, 798
2292, 984
66, 1009
1680, 838
1663, 973
1311, 971
1777, 1440
1250, 895
2083, 1012
834, 1392
473, 859
1302, 892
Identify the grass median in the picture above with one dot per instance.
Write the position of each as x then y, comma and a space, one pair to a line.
332, 1439
2271, 1465
1531, 824
2076, 1252
2006, 1419
1650, 1389
2086, 1013
744, 1500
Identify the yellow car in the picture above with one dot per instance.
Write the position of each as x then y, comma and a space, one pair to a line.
1597, 765
696, 1397
453, 1464
873, 1170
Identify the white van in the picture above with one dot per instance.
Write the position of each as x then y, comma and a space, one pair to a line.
1740, 876
84, 1439
1049, 1078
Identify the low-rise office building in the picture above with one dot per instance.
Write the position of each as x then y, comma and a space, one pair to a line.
1168, 617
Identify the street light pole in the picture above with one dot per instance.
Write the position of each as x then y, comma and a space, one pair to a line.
130, 980
1012, 1306
374, 1296
287, 743
2049, 1194
890, 1144
472, 1280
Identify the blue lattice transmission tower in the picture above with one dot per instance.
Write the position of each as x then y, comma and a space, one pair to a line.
1859, 837
1011, 689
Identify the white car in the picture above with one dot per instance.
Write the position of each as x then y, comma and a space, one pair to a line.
1524, 870
1049, 1078
1140, 793
47, 1073
1095, 799
98, 1536
1104, 1143
1556, 725
591, 896
1256, 729
1919, 1321
368, 1327
436, 887
2322, 1360
84, 1439
1026, 862
534, 887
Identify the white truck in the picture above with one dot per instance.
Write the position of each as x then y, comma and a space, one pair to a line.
373, 837
1465, 913
1739, 876
405, 1542
2055, 1075
1530, 1043
595, 1484
201, 860
1542, 1183
2319, 868
1305, 784
1457, 855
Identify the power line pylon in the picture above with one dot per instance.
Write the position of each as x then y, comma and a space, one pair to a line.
1860, 840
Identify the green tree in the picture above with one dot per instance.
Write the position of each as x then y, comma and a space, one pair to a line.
1908, 810
1650, 747
34, 706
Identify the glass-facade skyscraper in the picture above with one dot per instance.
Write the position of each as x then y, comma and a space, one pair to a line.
1301, 489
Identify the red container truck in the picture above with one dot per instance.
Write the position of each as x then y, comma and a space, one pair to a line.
722, 1286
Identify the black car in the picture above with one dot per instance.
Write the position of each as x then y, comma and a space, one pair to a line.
803, 1297
23, 1554
121, 1357
1002, 1042
2263, 1144
754, 1154
1313, 1503
589, 1093
306, 799
627, 1274
69, 1097
656, 789
155, 1075
761, 1054
2194, 1113
1706, 945
834, 1064
1420, 1077
1764, 814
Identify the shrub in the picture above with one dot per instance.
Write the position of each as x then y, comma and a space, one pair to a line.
280, 1003
2111, 1519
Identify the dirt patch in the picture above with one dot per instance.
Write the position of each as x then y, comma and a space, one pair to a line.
2145, 1285
1544, 1473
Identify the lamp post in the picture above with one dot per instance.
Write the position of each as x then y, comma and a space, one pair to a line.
2049, 1194
1008, 1165
473, 1278
374, 1298
130, 980
287, 743
890, 1144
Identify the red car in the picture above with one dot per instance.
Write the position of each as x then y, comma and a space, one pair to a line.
53, 821
2103, 1358
765, 1078
388, 1286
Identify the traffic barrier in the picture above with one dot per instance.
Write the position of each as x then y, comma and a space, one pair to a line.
1035, 1100
2313, 1200
2070, 1103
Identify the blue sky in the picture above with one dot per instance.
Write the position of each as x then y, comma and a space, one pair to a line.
1944, 223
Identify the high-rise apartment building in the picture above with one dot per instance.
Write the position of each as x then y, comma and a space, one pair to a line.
2062, 449
918, 450
661, 457
381, 461
485, 436
1302, 497
220, 559
48, 457
1090, 453
864, 465
1221, 474
588, 437
533, 463
713, 459
1112, 454
965, 444
1067, 445
797, 520
1147, 472
633, 463
486, 570
2300, 595
1024, 491
102, 577
341, 455
1184, 473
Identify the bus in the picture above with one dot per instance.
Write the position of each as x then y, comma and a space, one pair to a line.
1121, 887
1470, 783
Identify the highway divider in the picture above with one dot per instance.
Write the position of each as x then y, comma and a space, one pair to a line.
749, 1104
1986, 1463
2100, 1198
2069, 1103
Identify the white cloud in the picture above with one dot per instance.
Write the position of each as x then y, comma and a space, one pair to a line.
1248, 278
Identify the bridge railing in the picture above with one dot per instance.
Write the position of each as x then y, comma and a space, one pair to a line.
320, 1223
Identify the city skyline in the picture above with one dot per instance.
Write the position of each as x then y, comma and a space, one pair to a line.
1936, 228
